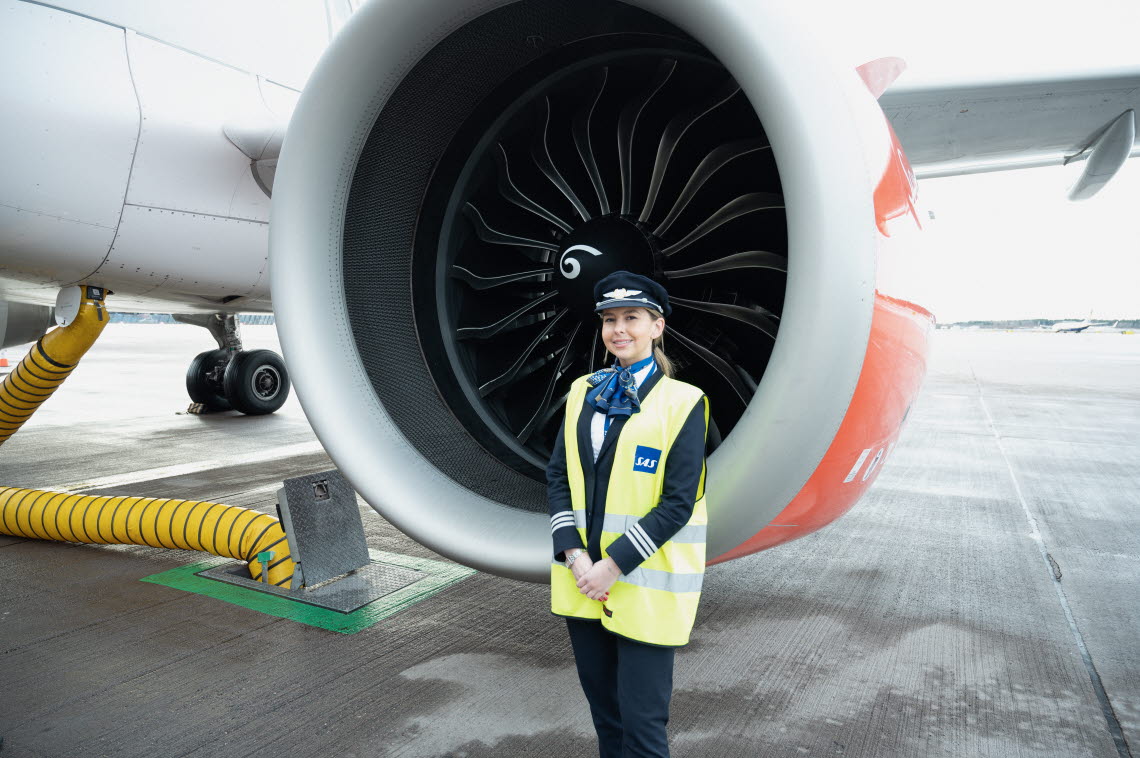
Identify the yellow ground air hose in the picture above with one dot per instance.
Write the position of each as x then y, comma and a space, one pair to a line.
225, 530
49, 362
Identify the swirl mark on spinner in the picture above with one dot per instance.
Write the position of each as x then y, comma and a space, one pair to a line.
570, 267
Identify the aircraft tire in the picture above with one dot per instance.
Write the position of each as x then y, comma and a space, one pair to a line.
198, 384
256, 382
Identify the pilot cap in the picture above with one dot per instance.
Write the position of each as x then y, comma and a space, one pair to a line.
624, 288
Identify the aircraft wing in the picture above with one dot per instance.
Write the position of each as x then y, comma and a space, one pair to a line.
973, 128
952, 130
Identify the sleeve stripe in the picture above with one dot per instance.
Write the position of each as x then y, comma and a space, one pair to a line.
561, 521
641, 540
636, 540
637, 543
645, 536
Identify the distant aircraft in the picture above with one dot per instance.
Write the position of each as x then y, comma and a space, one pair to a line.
448, 182
1079, 326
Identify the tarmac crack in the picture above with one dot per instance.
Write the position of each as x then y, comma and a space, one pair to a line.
1054, 565
1111, 720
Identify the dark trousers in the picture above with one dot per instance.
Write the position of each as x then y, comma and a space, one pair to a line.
628, 686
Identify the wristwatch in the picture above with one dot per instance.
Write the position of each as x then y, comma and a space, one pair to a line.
571, 558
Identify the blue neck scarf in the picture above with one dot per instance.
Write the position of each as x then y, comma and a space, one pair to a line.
614, 390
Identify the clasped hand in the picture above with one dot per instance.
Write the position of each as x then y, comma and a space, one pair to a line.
595, 579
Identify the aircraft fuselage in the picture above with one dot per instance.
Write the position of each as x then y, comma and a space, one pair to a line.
118, 168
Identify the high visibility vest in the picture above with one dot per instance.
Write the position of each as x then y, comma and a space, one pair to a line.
657, 602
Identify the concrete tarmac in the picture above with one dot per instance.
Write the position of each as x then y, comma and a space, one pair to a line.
980, 601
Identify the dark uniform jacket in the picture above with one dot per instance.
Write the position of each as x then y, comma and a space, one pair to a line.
683, 468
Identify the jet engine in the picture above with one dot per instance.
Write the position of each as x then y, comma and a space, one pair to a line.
22, 322
458, 174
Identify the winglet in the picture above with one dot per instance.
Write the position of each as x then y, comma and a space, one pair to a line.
1106, 154
880, 74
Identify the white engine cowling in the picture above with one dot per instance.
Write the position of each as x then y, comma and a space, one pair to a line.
22, 322
442, 161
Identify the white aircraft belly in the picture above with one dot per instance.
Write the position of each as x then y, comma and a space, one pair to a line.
118, 170
184, 161
282, 39
67, 140
187, 256
195, 224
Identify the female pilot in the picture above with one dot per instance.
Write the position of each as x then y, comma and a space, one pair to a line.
626, 488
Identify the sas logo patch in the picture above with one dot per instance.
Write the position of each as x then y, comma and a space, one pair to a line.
646, 459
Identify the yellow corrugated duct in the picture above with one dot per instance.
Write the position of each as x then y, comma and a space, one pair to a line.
49, 362
225, 530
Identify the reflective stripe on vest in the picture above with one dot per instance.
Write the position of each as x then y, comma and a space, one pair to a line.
657, 602
664, 580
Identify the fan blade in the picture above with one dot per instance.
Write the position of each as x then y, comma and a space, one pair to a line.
745, 377
713, 361
487, 234
760, 320
672, 135
513, 194
540, 151
539, 418
709, 165
512, 372
627, 124
586, 149
490, 330
487, 282
539, 422
741, 206
751, 259
595, 353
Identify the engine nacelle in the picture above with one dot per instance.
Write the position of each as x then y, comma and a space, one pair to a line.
457, 175
22, 322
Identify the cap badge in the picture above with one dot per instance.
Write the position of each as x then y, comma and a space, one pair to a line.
621, 293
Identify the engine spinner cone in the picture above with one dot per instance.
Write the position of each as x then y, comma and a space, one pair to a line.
596, 249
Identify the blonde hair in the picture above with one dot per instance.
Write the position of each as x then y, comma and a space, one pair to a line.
659, 356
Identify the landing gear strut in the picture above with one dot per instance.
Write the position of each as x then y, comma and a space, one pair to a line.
204, 380
253, 382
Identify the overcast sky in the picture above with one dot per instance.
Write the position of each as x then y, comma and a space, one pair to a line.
1008, 244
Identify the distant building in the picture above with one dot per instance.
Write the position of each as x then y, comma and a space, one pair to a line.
260, 319
1033, 323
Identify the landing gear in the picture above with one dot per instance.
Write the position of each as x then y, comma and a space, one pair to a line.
254, 382
204, 380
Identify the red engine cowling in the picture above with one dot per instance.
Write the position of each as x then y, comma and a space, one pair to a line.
457, 174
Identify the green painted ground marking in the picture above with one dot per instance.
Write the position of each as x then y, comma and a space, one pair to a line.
440, 576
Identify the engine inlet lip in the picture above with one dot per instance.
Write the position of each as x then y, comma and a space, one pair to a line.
825, 322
